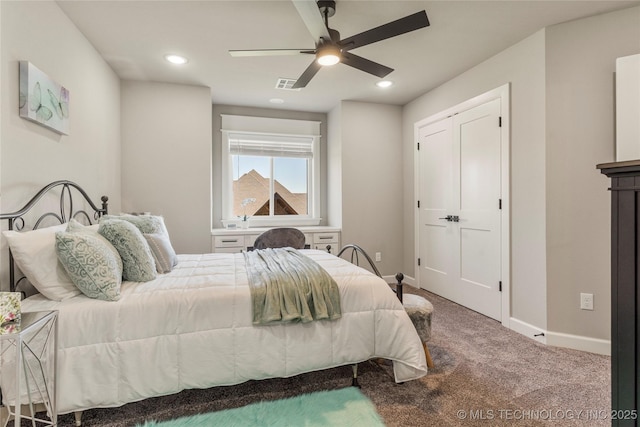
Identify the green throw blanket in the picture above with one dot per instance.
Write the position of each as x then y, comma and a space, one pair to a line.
287, 286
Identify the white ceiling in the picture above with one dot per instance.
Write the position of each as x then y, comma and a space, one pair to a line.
133, 37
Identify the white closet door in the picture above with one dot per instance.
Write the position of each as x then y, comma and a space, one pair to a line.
435, 183
460, 217
476, 171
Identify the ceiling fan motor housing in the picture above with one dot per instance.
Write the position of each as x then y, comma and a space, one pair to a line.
335, 39
327, 7
335, 35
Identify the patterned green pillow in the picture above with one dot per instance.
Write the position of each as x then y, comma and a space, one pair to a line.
147, 224
155, 232
74, 226
137, 260
91, 265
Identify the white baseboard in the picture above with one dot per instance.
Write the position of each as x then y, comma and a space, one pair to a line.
559, 339
527, 330
408, 280
411, 281
579, 342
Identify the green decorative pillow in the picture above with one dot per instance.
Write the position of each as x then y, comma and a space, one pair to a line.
147, 224
155, 232
137, 260
162, 251
91, 265
74, 226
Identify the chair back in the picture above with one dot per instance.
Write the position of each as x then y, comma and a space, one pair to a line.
280, 238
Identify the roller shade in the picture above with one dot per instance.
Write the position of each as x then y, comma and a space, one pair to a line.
252, 144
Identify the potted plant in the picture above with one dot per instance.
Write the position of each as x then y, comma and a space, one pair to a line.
244, 223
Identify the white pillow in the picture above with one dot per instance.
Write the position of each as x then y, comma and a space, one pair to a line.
162, 251
35, 255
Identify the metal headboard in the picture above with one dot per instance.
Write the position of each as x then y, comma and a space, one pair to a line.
16, 219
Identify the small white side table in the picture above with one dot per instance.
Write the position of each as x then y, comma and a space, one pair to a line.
28, 366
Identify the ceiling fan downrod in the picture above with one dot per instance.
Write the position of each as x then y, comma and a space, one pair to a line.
328, 9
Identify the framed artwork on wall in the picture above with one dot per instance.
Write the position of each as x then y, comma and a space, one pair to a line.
43, 100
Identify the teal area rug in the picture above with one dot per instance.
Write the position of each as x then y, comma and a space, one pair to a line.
346, 407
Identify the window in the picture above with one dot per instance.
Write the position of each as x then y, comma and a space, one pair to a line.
270, 174
272, 178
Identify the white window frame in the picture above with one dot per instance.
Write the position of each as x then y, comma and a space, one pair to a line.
272, 127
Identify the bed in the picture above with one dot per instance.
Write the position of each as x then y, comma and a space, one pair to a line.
192, 328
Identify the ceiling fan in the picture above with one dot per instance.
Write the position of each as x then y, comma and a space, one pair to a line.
330, 49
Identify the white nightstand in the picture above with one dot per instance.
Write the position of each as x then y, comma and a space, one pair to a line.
28, 366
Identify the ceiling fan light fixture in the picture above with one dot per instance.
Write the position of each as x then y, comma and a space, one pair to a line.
328, 59
328, 55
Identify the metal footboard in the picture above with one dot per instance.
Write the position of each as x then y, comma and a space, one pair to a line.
356, 251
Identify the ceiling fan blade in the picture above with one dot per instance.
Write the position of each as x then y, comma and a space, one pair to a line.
365, 65
312, 17
307, 75
403, 25
269, 52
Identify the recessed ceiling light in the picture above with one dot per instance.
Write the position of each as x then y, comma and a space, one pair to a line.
276, 101
176, 59
384, 83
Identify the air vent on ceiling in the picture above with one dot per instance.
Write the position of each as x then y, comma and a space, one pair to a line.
286, 84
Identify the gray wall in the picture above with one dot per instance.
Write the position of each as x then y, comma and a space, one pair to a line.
263, 112
166, 158
580, 57
562, 101
31, 155
369, 150
334, 167
522, 65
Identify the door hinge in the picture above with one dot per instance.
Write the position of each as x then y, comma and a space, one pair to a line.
418, 203
500, 286
499, 203
418, 146
418, 261
500, 121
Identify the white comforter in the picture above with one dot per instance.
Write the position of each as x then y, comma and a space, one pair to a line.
192, 328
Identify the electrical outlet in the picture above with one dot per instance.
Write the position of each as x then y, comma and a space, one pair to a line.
586, 301
378, 256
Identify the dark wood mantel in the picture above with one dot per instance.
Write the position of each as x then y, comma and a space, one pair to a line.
625, 298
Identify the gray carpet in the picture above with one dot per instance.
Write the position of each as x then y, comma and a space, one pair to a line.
483, 371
